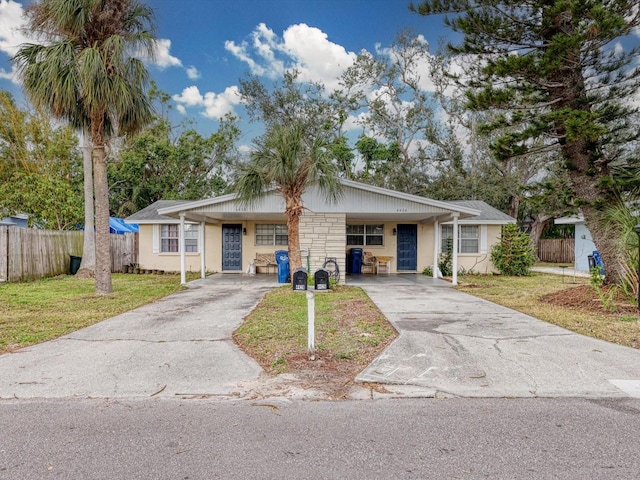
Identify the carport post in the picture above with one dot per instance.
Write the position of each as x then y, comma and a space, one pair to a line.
203, 251
436, 243
454, 267
183, 267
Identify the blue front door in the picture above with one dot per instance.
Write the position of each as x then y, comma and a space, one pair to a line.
232, 248
407, 247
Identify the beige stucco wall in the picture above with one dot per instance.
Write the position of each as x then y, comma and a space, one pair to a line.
324, 235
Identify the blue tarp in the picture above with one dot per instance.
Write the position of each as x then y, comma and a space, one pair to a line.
117, 225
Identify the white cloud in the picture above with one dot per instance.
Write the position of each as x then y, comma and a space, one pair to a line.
214, 105
193, 73
163, 58
11, 37
301, 47
11, 21
240, 52
190, 97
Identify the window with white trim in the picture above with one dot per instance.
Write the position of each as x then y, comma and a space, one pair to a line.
365, 235
468, 238
272, 234
170, 236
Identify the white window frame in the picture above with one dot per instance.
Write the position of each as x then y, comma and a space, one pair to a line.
367, 232
278, 236
463, 236
169, 235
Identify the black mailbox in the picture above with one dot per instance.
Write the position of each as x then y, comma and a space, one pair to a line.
300, 279
321, 279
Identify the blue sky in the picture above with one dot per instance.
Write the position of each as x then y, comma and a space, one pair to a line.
207, 45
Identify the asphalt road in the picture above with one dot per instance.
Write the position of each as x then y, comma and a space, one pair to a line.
382, 439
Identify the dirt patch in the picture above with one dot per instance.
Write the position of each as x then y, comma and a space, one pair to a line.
610, 301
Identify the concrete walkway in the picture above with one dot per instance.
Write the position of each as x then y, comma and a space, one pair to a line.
452, 343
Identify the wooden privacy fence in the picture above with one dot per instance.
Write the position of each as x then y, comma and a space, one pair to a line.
27, 254
557, 250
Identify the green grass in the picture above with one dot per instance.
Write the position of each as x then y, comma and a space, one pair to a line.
45, 309
349, 328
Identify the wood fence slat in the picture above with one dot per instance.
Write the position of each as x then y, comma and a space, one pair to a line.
4, 253
556, 250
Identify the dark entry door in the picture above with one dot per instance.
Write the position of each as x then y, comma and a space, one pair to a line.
407, 247
232, 248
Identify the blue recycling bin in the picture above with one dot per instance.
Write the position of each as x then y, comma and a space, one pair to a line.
597, 260
282, 260
356, 261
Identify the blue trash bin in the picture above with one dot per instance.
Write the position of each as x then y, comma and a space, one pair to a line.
356, 261
282, 259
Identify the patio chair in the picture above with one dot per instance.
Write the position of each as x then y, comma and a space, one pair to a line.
368, 263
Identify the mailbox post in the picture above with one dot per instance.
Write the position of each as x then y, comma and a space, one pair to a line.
300, 279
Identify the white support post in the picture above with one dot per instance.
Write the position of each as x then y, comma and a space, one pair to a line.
311, 329
454, 267
436, 244
203, 251
183, 262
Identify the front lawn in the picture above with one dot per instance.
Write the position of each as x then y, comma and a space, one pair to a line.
350, 333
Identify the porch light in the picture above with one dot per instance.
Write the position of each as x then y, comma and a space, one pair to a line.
395, 231
637, 229
244, 230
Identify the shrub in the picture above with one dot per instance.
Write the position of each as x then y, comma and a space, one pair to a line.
514, 254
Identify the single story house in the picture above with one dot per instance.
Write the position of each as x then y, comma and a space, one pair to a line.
223, 235
584, 245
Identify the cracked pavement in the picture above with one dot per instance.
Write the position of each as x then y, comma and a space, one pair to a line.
454, 344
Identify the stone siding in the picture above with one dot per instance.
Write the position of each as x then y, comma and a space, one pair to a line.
324, 235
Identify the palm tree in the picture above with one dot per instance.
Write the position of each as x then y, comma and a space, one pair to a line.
86, 72
290, 163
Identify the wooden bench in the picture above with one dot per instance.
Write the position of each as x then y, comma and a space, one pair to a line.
266, 261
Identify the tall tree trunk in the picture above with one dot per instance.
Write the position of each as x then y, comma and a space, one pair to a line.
514, 206
604, 234
88, 264
293, 211
103, 240
589, 176
537, 227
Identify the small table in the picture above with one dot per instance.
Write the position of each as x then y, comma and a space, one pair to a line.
386, 262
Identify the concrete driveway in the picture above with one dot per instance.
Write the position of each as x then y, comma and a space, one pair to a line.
452, 343
178, 346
